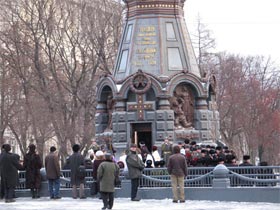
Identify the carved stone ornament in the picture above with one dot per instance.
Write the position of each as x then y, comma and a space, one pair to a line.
213, 83
140, 83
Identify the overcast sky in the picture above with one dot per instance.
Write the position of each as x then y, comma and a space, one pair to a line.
245, 27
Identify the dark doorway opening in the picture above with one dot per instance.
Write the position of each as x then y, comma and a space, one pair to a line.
142, 132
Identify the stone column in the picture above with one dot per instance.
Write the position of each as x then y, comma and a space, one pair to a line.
201, 104
101, 107
120, 106
163, 103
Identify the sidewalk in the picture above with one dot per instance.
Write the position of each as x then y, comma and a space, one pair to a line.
125, 204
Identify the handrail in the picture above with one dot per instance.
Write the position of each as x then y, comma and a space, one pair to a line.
254, 179
186, 180
197, 177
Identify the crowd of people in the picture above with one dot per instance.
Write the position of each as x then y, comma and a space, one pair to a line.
106, 168
175, 157
202, 155
10, 164
196, 155
105, 171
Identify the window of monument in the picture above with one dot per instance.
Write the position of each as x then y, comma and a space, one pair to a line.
150, 95
128, 33
123, 62
174, 59
170, 33
131, 97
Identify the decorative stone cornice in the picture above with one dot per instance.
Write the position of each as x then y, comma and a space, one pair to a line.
164, 7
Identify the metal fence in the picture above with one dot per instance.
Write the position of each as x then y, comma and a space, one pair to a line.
260, 176
253, 176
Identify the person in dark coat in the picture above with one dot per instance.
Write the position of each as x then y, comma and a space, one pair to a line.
135, 167
9, 166
106, 173
53, 173
244, 171
66, 165
75, 161
204, 160
246, 161
32, 164
177, 168
2, 195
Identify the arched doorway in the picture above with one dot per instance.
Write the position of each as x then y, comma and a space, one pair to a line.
142, 132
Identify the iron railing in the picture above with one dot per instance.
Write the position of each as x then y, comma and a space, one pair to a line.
253, 176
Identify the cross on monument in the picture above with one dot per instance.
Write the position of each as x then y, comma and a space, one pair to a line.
140, 107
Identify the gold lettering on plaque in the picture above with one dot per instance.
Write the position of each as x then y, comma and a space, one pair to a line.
152, 62
145, 52
137, 63
146, 43
147, 29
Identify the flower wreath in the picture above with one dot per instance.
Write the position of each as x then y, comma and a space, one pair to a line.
140, 79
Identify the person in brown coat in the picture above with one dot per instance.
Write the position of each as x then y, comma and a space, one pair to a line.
53, 173
177, 168
32, 164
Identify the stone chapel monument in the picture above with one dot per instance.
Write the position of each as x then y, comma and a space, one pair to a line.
156, 89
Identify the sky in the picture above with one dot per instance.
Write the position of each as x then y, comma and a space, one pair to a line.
244, 27
126, 204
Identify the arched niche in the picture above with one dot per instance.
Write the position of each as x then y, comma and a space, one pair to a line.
211, 99
182, 102
105, 93
105, 87
192, 81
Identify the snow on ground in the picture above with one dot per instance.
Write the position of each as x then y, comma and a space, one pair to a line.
125, 204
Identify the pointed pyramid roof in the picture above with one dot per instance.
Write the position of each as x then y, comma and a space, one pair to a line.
155, 40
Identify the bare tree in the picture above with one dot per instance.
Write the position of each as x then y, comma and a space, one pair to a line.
65, 46
262, 90
247, 99
203, 43
247, 96
9, 91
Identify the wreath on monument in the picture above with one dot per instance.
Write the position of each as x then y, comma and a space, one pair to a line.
140, 83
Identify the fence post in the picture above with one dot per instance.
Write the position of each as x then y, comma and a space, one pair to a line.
221, 179
44, 190
125, 189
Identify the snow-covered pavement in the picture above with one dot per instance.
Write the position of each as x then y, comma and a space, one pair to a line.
125, 204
